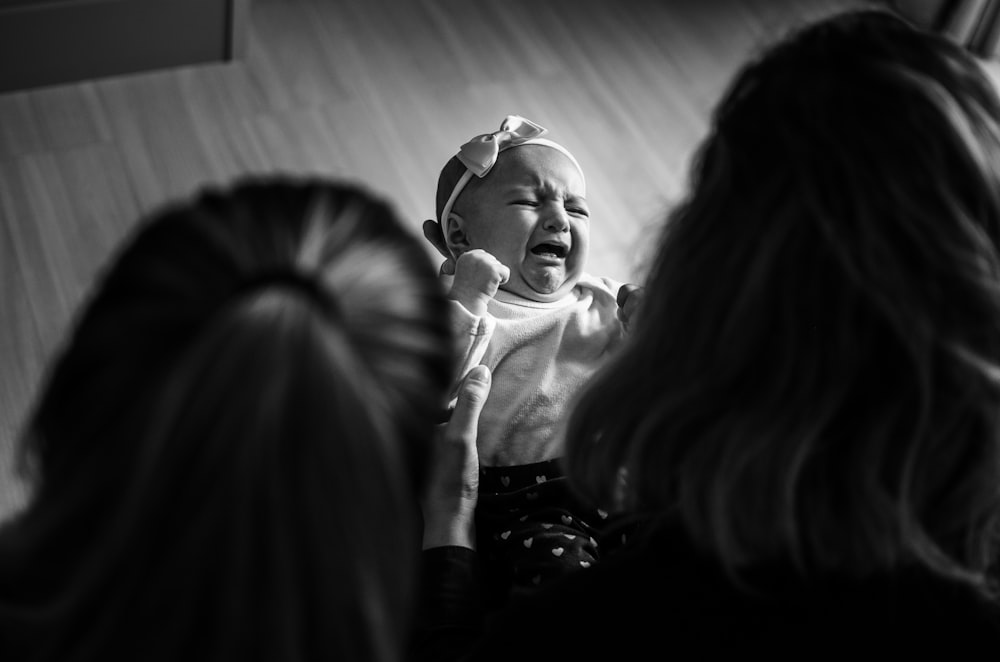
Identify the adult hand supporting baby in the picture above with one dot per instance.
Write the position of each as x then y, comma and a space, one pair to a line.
435, 234
629, 297
449, 502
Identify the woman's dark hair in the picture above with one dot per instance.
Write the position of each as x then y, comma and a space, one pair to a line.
815, 372
227, 454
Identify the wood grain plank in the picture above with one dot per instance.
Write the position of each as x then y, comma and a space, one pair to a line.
20, 131
70, 116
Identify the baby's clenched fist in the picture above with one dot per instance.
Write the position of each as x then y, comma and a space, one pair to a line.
478, 276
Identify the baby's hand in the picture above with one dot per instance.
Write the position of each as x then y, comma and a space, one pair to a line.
629, 298
478, 276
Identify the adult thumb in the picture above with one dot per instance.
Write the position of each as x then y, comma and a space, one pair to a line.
472, 396
624, 292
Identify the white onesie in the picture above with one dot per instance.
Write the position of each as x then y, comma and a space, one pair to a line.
540, 355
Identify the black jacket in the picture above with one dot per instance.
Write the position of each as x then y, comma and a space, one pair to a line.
658, 598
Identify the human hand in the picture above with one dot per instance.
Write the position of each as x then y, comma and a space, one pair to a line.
434, 234
478, 276
449, 503
629, 298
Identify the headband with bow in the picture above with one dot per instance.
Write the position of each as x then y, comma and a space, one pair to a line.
479, 155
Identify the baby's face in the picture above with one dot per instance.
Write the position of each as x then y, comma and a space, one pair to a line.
531, 213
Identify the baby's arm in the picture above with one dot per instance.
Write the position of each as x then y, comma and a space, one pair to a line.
478, 275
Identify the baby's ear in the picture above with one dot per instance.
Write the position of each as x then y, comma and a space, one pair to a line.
455, 237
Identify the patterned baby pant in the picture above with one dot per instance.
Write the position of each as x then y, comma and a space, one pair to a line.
531, 529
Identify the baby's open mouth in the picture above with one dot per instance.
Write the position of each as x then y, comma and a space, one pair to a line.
550, 250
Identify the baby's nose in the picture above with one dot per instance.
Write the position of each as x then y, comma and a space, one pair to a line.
556, 220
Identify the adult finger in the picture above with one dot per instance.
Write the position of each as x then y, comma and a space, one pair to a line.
450, 501
434, 234
624, 292
472, 395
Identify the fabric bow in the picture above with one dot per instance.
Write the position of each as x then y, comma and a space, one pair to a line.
480, 154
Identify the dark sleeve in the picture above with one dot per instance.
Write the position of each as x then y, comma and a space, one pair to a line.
450, 609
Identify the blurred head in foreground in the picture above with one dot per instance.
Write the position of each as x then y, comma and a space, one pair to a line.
228, 451
817, 380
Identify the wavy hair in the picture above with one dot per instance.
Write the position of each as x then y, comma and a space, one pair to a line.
814, 374
228, 451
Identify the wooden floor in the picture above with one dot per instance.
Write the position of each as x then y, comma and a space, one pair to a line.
380, 91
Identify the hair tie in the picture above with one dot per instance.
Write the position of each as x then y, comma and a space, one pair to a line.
291, 279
